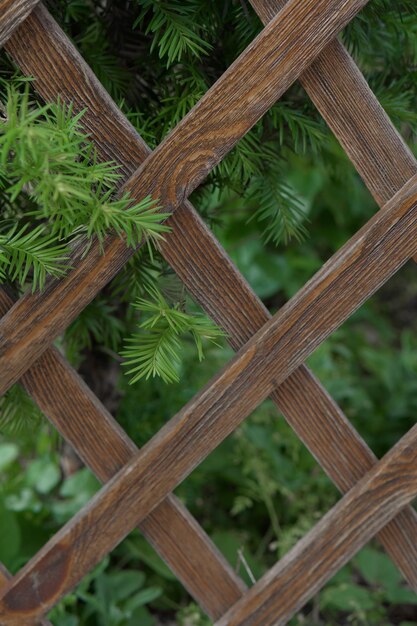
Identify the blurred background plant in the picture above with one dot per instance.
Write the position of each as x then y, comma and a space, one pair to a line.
281, 203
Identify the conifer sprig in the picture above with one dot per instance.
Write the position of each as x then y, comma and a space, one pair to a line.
18, 412
174, 28
278, 208
156, 70
156, 349
24, 250
46, 156
303, 129
135, 223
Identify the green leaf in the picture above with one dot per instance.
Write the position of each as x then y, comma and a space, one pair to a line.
122, 584
348, 597
43, 475
143, 597
9, 537
9, 452
229, 543
377, 568
401, 595
75, 492
141, 549
141, 616
24, 500
82, 482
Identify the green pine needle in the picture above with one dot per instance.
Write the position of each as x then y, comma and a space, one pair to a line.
278, 207
35, 251
304, 132
156, 349
46, 157
18, 412
174, 29
98, 324
135, 223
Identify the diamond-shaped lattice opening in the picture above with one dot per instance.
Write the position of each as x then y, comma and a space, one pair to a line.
261, 477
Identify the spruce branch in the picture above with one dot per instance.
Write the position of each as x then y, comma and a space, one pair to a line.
301, 131
46, 156
18, 412
134, 222
278, 207
99, 323
35, 251
156, 349
174, 28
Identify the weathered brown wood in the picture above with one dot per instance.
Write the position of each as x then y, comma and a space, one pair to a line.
217, 286
104, 447
102, 126
5, 576
13, 13
375, 499
378, 250
277, 57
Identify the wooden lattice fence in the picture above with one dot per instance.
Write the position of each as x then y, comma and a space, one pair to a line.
298, 42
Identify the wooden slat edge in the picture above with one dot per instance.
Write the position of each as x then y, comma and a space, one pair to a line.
305, 404
341, 94
12, 14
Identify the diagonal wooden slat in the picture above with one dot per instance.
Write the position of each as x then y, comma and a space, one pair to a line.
103, 445
374, 254
217, 286
13, 13
374, 500
286, 46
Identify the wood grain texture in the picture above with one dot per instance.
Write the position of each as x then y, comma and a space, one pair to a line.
216, 285
12, 14
316, 418
104, 447
377, 251
388, 487
5, 576
269, 65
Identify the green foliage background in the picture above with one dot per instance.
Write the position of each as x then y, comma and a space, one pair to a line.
281, 203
